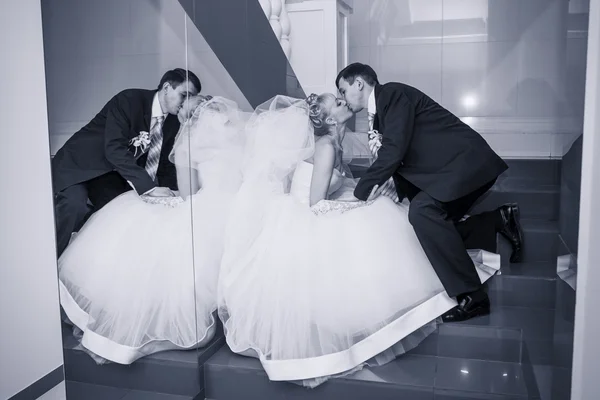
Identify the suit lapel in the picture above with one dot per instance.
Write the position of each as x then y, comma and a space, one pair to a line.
147, 118
147, 115
376, 124
147, 107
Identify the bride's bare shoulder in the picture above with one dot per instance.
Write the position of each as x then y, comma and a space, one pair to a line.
324, 143
324, 150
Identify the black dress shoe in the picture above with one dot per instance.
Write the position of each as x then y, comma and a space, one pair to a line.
469, 306
511, 230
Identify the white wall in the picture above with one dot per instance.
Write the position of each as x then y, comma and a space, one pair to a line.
319, 44
586, 354
514, 69
94, 49
30, 338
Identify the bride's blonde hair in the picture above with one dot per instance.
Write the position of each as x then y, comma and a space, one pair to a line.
318, 113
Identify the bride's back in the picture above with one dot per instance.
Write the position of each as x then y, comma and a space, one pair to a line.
212, 143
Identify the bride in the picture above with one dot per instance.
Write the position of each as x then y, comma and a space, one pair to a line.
140, 278
312, 284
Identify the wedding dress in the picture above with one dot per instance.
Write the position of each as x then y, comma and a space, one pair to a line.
321, 292
140, 278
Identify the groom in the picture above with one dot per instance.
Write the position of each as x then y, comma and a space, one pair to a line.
126, 145
443, 167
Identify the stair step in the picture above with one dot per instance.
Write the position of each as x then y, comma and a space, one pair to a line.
537, 325
251, 47
533, 184
87, 391
540, 242
473, 342
526, 285
169, 372
410, 376
536, 200
543, 171
538, 270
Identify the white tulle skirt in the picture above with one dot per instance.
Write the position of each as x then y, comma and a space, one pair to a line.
141, 278
320, 296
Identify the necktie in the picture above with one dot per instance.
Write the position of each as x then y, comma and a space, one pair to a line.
156, 139
371, 118
389, 187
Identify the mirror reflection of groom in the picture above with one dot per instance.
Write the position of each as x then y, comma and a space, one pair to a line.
126, 145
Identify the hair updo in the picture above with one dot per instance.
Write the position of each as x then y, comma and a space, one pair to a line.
317, 114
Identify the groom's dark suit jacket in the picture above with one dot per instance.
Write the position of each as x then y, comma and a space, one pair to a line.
103, 145
426, 148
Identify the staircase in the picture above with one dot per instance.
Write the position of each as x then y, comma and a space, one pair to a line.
521, 351
175, 373
246, 46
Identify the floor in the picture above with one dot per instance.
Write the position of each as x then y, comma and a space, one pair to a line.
56, 393
85, 391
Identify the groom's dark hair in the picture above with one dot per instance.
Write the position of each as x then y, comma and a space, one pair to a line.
354, 70
177, 76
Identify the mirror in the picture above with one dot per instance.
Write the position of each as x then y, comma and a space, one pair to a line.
116, 79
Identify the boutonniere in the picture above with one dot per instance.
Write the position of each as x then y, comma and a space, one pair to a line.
375, 135
374, 141
141, 142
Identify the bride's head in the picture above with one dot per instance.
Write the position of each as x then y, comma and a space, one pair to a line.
327, 113
189, 106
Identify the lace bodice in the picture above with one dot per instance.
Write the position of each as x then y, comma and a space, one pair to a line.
300, 187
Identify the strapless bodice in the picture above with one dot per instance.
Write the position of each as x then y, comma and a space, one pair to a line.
221, 173
300, 187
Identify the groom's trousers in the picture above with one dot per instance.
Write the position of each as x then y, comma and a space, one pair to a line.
71, 207
445, 238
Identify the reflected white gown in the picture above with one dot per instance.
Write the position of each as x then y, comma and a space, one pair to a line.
141, 278
314, 296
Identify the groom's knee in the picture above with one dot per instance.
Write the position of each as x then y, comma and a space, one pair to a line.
72, 203
423, 210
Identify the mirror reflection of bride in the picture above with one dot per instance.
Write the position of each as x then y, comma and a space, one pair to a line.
140, 278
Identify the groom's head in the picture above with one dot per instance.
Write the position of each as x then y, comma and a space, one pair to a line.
355, 83
175, 86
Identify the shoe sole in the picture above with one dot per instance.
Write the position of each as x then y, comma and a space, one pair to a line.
479, 312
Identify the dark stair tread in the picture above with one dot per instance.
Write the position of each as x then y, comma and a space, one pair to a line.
530, 270
87, 391
524, 185
413, 376
170, 372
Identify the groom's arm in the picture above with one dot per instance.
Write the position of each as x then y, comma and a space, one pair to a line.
116, 147
399, 127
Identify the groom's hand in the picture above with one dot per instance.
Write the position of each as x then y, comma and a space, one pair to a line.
375, 193
160, 191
